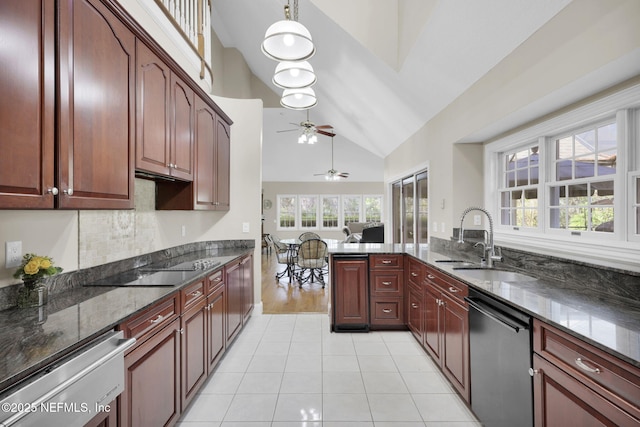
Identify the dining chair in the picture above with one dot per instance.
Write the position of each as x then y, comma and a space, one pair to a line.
312, 260
284, 255
308, 235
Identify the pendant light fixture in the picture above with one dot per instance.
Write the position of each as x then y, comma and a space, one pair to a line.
288, 40
298, 99
294, 75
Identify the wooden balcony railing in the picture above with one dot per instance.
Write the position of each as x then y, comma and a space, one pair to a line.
192, 19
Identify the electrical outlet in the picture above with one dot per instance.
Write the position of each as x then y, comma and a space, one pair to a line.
183, 230
13, 251
435, 227
476, 220
245, 227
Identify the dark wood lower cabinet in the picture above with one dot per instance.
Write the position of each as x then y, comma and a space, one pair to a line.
106, 418
350, 305
152, 381
234, 300
216, 326
193, 337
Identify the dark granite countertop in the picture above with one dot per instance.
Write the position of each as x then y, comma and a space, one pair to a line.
34, 337
605, 321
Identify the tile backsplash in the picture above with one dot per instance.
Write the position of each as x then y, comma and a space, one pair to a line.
106, 236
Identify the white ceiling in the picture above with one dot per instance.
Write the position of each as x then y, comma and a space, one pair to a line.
377, 84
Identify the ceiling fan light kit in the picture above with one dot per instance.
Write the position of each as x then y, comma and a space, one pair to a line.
294, 75
298, 99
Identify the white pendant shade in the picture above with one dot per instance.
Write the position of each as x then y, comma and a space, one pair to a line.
288, 41
294, 75
298, 99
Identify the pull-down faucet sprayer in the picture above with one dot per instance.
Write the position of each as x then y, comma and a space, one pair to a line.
488, 247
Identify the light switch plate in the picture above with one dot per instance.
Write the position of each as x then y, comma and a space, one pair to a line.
245, 227
13, 251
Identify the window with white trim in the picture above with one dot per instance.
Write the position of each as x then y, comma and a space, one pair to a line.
287, 212
351, 209
308, 212
372, 208
570, 185
330, 212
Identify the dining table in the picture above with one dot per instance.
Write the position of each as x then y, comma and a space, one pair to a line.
293, 244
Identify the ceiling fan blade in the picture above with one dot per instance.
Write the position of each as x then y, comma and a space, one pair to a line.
343, 175
324, 127
323, 132
287, 130
319, 174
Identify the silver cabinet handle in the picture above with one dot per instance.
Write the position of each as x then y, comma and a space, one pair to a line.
453, 290
386, 283
68, 192
584, 366
533, 372
414, 274
386, 261
414, 305
431, 276
158, 319
53, 190
196, 294
386, 310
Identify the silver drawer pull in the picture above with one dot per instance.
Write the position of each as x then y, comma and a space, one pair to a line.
386, 283
53, 190
414, 305
386, 261
386, 310
414, 274
195, 294
453, 290
431, 276
158, 319
584, 366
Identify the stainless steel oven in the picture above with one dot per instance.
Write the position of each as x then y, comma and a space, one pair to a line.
72, 390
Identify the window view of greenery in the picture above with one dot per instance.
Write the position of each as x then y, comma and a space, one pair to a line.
308, 211
519, 197
287, 211
351, 209
584, 202
373, 209
330, 206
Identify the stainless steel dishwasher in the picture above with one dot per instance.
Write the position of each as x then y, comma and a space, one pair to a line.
500, 352
71, 391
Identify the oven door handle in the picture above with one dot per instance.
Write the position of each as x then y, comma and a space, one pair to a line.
496, 315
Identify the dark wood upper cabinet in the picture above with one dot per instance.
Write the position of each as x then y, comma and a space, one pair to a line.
182, 110
222, 172
153, 149
27, 82
96, 111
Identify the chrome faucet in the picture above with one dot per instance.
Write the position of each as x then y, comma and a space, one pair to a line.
487, 246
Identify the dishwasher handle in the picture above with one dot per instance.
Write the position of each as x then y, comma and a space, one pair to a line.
496, 315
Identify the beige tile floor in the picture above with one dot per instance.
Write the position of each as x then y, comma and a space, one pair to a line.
290, 371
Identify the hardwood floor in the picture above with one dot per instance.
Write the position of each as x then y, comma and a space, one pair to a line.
280, 297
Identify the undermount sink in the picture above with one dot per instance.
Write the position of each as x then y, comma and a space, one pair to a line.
458, 262
496, 275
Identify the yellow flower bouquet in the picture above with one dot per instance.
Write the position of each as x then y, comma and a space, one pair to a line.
35, 267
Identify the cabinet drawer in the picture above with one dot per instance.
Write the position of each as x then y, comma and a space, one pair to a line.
377, 262
387, 283
450, 286
603, 373
415, 273
192, 294
385, 311
152, 320
214, 281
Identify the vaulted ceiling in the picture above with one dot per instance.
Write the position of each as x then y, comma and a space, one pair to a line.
384, 68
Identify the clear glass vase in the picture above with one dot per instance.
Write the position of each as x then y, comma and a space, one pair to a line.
33, 293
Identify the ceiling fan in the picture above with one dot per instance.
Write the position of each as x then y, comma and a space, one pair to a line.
309, 131
332, 174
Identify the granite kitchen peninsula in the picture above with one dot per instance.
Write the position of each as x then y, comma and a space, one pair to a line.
585, 320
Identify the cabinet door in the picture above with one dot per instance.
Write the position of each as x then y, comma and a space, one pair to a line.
182, 104
193, 335
455, 340
247, 286
350, 299
27, 72
562, 401
223, 150
96, 108
432, 318
205, 136
415, 313
234, 300
152, 112
216, 326
151, 395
